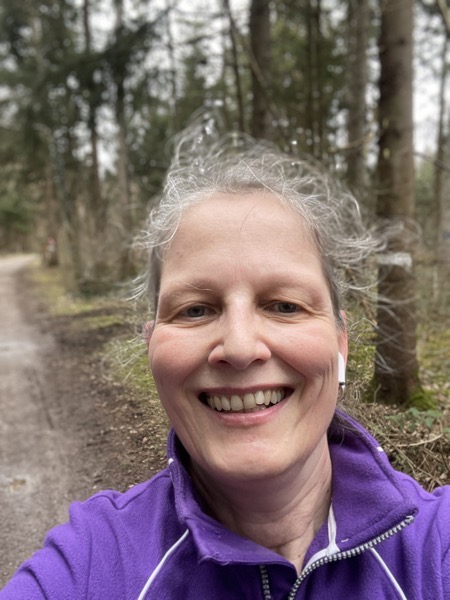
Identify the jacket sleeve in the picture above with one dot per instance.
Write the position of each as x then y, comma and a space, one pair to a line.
60, 569
446, 574
442, 524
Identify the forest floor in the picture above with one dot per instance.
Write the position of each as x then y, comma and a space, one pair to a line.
110, 431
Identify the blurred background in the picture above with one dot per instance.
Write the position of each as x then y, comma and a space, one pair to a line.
92, 93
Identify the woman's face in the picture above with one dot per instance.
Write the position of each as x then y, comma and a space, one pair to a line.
244, 349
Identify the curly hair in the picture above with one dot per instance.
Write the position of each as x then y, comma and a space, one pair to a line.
205, 164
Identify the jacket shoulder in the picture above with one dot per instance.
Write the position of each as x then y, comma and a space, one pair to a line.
108, 534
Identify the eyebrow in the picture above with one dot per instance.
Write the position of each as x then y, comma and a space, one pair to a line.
181, 287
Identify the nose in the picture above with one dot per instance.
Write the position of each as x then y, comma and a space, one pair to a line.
240, 342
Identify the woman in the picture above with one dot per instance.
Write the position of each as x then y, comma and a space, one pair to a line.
270, 492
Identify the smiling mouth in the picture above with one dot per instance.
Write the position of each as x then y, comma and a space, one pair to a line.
247, 403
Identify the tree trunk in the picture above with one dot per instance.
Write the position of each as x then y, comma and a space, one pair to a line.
396, 367
442, 221
314, 95
358, 20
67, 235
260, 66
444, 209
126, 267
97, 208
235, 61
172, 69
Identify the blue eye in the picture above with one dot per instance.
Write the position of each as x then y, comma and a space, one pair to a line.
196, 312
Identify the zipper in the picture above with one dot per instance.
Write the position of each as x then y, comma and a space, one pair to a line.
333, 558
265, 583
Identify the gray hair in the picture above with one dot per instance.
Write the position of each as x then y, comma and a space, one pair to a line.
236, 164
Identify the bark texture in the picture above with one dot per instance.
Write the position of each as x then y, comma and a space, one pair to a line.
396, 369
358, 18
260, 61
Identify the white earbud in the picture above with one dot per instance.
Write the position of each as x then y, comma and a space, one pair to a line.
341, 369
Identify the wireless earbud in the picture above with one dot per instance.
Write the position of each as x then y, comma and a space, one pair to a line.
341, 369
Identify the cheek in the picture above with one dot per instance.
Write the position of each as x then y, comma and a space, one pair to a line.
313, 353
172, 358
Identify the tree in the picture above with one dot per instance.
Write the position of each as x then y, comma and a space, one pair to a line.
441, 176
194, 87
37, 57
119, 67
358, 19
235, 63
444, 240
308, 76
259, 31
92, 94
396, 368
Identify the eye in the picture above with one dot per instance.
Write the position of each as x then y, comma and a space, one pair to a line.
196, 312
285, 308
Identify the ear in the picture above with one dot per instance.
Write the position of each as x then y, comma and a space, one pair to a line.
147, 331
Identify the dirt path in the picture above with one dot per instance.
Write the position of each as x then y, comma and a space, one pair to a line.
32, 454
66, 430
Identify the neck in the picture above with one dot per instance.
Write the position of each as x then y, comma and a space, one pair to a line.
282, 514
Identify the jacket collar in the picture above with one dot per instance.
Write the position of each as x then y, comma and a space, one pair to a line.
369, 498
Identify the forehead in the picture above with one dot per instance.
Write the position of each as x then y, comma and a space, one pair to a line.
230, 230
239, 215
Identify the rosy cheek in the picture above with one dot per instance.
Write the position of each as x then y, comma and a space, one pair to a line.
169, 355
314, 354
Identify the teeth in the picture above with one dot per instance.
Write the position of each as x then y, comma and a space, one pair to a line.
259, 397
247, 403
236, 403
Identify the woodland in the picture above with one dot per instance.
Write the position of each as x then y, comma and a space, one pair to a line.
92, 93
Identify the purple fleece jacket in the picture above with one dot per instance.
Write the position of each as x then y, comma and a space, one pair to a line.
386, 538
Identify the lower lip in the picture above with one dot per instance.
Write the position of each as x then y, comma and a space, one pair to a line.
245, 419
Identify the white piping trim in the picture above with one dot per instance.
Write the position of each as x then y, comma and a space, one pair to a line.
332, 547
170, 551
389, 574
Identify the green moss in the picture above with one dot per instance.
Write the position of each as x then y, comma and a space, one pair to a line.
423, 400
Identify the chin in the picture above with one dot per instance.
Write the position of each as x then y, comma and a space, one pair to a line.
244, 469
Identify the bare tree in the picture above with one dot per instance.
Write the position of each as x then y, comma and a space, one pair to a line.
396, 369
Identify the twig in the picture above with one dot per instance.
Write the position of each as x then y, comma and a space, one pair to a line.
421, 443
